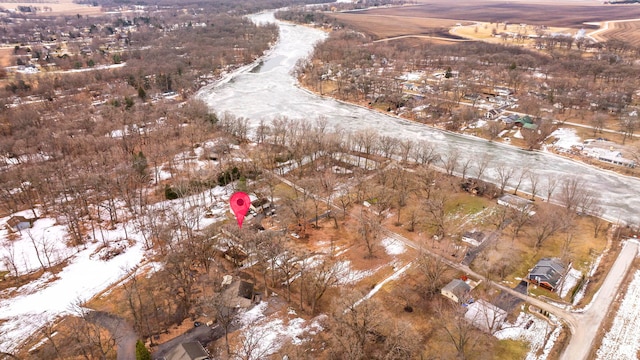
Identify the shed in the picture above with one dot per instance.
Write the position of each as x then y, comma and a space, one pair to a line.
547, 273
19, 223
456, 290
474, 238
188, 351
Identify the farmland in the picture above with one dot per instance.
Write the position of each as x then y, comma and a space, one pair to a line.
563, 15
628, 31
55, 8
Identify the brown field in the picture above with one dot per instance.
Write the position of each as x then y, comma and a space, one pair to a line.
5, 56
627, 31
565, 14
58, 7
385, 26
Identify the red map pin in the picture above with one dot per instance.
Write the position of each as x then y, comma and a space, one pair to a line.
240, 204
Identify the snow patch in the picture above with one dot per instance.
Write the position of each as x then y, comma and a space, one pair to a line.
393, 246
540, 335
565, 138
622, 341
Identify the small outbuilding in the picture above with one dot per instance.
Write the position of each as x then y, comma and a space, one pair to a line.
456, 290
474, 238
19, 223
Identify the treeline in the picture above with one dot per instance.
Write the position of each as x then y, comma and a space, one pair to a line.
233, 6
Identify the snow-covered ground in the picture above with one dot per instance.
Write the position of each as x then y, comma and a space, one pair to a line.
565, 138
570, 281
24, 310
393, 246
44, 299
264, 335
622, 341
540, 335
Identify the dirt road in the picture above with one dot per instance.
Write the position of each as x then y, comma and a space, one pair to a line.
589, 322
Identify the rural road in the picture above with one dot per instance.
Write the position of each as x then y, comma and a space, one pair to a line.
589, 322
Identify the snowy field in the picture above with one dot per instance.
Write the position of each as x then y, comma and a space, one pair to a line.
622, 341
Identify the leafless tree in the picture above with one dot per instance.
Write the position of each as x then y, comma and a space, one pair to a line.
534, 179
450, 163
551, 184
319, 279
434, 271
252, 345
369, 230
546, 223
357, 324
460, 332
504, 173
435, 209
482, 164
493, 129
405, 148
520, 175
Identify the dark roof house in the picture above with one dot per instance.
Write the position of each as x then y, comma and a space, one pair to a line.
188, 351
547, 273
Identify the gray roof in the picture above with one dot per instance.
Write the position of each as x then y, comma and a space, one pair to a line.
188, 351
549, 270
457, 287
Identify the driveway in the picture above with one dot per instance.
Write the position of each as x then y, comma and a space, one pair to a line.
120, 329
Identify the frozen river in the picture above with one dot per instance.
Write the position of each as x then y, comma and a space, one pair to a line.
269, 90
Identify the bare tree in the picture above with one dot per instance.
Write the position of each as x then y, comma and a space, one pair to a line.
451, 161
546, 223
460, 332
534, 179
504, 173
551, 184
481, 165
319, 279
252, 345
521, 173
369, 230
434, 270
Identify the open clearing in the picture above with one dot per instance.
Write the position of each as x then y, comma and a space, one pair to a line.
59, 7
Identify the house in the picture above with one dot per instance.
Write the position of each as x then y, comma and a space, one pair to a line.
241, 293
456, 290
491, 114
516, 203
474, 238
485, 316
188, 351
19, 223
547, 273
